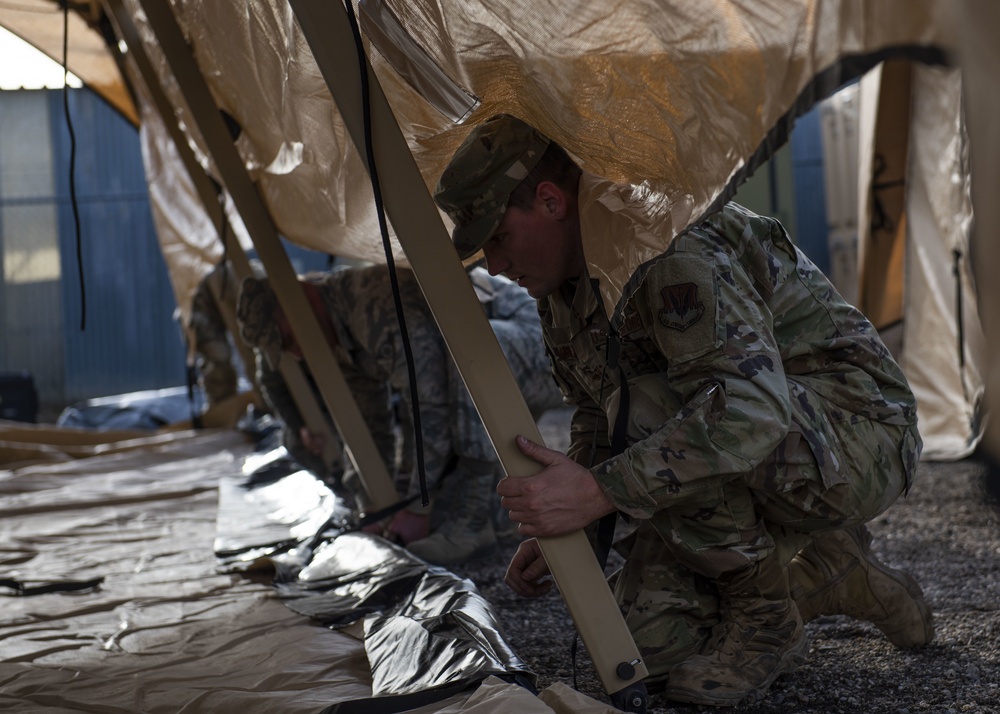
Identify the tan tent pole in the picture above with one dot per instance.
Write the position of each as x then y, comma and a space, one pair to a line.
302, 394
326, 372
127, 31
471, 340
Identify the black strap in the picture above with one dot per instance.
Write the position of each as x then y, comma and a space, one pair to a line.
605, 534
612, 353
53, 586
606, 526
192, 379
398, 702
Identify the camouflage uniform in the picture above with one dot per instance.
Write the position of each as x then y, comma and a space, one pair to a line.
513, 315
763, 408
210, 338
279, 400
765, 420
370, 353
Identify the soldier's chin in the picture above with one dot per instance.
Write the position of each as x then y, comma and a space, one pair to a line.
534, 289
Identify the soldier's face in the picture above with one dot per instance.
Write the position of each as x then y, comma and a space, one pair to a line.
539, 248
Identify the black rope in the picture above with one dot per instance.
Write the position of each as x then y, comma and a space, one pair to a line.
72, 168
390, 262
960, 318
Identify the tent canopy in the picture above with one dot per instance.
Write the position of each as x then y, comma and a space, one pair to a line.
687, 96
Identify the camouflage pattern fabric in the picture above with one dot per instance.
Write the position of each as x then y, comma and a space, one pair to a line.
513, 315
279, 399
210, 337
763, 408
255, 314
474, 189
370, 353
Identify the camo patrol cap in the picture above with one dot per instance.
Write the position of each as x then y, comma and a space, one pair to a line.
485, 170
255, 315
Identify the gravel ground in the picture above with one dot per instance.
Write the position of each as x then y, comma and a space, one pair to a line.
946, 533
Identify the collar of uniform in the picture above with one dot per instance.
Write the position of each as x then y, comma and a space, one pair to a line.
571, 306
585, 297
623, 227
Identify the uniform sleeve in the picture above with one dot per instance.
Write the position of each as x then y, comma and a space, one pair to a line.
725, 377
374, 401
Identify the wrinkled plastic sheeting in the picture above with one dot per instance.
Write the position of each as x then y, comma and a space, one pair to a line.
424, 626
164, 631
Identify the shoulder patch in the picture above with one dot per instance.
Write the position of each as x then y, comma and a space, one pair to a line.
681, 306
682, 298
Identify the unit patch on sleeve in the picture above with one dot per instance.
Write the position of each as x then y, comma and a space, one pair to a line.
681, 306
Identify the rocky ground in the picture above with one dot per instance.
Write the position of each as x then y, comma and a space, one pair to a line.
946, 533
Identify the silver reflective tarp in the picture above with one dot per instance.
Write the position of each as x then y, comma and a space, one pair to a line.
424, 627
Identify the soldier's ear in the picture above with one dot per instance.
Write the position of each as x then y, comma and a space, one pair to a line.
553, 199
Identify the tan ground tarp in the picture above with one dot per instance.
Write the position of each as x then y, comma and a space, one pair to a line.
165, 630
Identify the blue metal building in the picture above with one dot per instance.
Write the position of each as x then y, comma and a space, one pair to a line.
112, 331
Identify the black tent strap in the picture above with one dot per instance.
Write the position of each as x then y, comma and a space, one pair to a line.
405, 702
53, 586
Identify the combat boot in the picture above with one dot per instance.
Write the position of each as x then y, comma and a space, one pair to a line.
759, 636
466, 528
837, 574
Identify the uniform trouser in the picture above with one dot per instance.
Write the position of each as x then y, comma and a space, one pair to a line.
666, 588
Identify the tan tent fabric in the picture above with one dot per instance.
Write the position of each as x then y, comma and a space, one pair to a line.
26, 444
885, 131
916, 213
40, 23
660, 91
979, 53
677, 93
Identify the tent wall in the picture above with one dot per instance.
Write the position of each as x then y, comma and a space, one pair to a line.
943, 343
979, 56
916, 220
